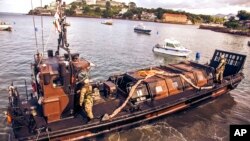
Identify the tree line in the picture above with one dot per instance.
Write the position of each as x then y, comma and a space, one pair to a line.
234, 23
109, 11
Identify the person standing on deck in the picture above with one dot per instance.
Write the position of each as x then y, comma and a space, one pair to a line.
86, 98
220, 69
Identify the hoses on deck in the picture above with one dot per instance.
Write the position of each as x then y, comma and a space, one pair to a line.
146, 75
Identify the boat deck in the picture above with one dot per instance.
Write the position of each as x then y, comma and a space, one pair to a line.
80, 120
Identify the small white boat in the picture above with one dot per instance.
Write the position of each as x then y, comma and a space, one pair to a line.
5, 26
108, 22
172, 47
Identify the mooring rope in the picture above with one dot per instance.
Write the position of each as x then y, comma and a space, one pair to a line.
147, 75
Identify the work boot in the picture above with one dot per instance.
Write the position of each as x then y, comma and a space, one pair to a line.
89, 120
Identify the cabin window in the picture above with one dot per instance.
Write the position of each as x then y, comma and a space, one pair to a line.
177, 45
170, 45
46, 79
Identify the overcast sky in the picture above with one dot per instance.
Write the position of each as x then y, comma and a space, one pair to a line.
194, 6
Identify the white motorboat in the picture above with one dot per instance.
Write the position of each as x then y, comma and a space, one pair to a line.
5, 26
172, 47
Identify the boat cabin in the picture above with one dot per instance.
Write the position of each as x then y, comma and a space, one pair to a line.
171, 43
56, 78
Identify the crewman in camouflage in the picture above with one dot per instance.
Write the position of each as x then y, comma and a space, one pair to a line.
220, 69
86, 98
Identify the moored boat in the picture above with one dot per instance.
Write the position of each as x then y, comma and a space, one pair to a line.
140, 28
5, 26
172, 47
108, 22
52, 111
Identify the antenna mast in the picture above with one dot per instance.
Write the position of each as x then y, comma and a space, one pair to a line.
34, 24
61, 27
42, 27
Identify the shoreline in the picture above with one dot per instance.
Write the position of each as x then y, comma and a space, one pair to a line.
223, 29
93, 17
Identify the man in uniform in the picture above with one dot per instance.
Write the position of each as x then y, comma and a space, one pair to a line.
220, 69
86, 98
13, 95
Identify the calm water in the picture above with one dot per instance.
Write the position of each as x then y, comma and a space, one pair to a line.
116, 49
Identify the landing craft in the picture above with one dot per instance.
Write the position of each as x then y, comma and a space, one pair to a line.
52, 111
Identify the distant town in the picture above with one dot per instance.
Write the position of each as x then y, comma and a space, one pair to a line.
118, 10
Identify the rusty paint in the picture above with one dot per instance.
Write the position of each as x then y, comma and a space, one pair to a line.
219, 92
74, 137
168, 110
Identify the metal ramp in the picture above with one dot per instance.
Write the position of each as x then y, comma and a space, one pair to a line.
235, 62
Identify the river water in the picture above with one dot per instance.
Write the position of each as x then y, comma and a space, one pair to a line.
116, 49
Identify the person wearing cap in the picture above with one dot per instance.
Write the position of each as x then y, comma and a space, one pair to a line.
220, 69
86, 98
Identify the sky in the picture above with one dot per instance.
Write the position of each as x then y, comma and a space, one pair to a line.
209, 7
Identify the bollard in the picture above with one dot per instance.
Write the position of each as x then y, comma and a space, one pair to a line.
197, 57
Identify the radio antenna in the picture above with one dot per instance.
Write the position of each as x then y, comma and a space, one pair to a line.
34, 24
42, 26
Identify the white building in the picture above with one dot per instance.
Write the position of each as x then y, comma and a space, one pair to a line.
124, 10
90, 2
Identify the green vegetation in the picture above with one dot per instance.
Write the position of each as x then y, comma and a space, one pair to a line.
238, 24
134, 12
107, 10
243, 15
108, 13
232, 23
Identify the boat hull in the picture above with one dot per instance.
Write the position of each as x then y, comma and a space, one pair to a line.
172, 105
108, 23
141, 96
143, 31
5, 28
171, 52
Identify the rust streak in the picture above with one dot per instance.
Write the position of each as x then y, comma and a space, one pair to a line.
73, 137
168, 110
219, 92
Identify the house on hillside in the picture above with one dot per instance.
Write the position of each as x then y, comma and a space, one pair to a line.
124, 10
112, 3
245, 24
90, 2
78, 12
148, 16
174, 18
